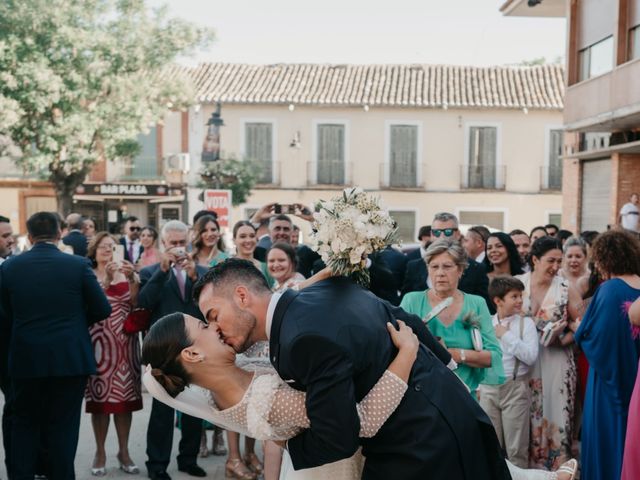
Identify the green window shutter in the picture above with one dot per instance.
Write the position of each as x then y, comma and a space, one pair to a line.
331, 154
259, 148
403, 156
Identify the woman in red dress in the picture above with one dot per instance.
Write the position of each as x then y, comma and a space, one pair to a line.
116, 388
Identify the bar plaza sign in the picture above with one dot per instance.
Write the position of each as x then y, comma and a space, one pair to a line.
127, 190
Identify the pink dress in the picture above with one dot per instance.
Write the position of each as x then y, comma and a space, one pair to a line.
116, 388
148, 257
631, 461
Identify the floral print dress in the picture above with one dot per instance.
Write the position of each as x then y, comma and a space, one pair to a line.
553, 382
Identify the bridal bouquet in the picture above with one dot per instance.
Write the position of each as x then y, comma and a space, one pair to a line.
347, 229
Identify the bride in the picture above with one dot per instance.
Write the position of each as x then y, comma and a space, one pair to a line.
180, 350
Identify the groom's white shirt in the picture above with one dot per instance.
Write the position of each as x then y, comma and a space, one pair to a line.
271, 309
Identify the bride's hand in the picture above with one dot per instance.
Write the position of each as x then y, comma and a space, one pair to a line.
407, 343
403, 338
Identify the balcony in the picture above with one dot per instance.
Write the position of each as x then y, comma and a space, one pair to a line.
328, 174
614, 101
482, 177
400, 176
551, 178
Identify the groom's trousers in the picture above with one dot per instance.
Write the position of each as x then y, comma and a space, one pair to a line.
46, 411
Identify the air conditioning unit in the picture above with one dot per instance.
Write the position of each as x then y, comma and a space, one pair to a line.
177, 162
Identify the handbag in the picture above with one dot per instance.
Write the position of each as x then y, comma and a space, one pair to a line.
138, 320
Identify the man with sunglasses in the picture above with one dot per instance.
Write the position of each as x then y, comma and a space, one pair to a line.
131, 240
474, 280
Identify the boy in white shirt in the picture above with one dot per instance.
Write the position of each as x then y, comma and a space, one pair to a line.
508, 404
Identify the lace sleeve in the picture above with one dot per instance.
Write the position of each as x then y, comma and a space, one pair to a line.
381, 401
276, 411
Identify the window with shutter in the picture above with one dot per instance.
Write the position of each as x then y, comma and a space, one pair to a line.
145, 164
406, 225
403, 156
331, 154
482, 217
554, 177
482, 157
259, 148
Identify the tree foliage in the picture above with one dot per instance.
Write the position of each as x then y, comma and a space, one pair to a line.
231, 174
80, 79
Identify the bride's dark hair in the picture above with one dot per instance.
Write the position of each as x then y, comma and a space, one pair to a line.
161, 349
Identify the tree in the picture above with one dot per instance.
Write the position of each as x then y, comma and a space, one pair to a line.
80, 79
231, 174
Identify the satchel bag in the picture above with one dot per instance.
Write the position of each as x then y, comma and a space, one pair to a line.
138, 320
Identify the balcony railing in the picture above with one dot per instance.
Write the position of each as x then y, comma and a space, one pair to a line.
329, 173
483, 177
402, 175
551, 178
270, 176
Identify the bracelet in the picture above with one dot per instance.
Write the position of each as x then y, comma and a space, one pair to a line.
463, 356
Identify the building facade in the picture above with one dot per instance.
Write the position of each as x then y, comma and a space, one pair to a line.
602, 106
483, 143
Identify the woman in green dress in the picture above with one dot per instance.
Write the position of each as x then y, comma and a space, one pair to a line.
208, 244
465, 326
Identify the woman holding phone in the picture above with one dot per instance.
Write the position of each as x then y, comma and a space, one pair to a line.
116, 388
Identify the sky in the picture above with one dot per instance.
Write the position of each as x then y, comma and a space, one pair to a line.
462, 32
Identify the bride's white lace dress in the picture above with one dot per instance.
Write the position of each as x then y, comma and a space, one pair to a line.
271, 410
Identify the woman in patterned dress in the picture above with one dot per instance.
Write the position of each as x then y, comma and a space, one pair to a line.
116, 388
551, 303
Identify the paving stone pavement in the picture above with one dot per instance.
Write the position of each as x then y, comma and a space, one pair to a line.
214, 466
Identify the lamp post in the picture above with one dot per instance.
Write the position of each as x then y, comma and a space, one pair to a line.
211, 144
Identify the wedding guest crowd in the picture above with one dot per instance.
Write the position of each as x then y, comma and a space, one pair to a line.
539, 327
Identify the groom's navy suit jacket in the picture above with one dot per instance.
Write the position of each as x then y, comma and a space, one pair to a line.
331, 341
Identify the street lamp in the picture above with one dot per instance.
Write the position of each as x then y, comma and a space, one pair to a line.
211, 144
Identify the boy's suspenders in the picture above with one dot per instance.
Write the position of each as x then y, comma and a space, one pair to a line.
517, 364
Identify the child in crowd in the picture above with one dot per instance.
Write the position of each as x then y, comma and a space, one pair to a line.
508, 404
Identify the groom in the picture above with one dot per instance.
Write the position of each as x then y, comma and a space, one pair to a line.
330, 340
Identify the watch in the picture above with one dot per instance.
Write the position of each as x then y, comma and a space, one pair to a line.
463, 357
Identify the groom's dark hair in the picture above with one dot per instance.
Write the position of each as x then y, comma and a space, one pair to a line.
230, 273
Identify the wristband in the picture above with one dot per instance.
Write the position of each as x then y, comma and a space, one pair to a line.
463, 356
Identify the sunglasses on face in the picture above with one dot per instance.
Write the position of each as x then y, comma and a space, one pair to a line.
134, 229
447, 231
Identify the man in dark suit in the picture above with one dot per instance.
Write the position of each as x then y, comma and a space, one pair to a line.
6, 246
424, 237
280, 229
166, 288
396, 262
75, 238
48, 300
474, 279
131, 240
331, 341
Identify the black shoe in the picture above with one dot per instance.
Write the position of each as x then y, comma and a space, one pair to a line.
159, 476
193, 470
